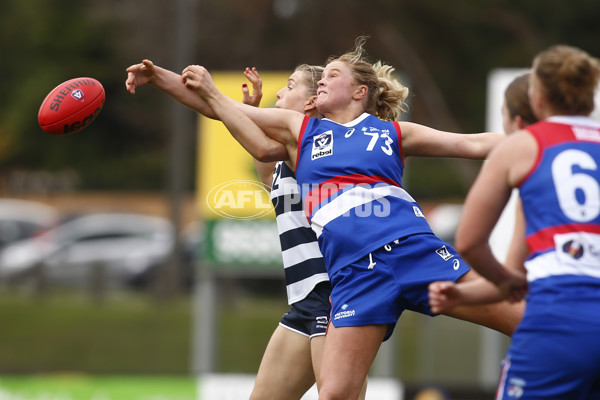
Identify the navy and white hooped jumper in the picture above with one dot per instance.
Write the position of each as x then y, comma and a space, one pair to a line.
302, 260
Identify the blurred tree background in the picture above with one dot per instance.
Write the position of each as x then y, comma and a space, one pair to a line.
444, 50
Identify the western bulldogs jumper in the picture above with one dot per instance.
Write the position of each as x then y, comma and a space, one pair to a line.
350, 180
555, 351
302, 260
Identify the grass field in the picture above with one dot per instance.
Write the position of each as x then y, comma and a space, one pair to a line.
132, 335
83, 387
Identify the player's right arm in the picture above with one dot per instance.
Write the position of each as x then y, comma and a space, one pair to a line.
268, 134
169, 82
444, 295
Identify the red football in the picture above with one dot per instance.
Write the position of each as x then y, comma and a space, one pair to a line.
71, 106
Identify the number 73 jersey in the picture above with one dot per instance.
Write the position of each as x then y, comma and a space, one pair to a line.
561, 199
350, 182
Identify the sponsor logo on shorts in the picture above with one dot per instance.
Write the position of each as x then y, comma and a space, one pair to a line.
516, 387
345, 313
322, 321
444, 253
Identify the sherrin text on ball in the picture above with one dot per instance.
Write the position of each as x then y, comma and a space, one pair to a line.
71, 106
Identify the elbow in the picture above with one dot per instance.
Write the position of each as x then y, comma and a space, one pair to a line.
270, 154
471, 248
464, 244
460, 245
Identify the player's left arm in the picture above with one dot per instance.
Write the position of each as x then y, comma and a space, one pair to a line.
423, 141
483, 206
167, 81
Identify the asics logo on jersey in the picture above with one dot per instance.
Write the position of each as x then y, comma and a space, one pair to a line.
456, 264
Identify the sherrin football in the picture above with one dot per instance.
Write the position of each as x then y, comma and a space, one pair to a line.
71, 106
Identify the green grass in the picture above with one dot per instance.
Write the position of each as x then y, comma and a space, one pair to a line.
134, 334
68, 332
128, 333
83, 387
245, 328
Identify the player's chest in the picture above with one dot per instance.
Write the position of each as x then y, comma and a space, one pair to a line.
356, 143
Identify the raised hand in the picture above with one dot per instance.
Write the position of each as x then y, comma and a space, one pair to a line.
198, 78
256, 96
139, 75
513, 285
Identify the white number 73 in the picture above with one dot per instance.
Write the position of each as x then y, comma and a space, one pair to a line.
388, 141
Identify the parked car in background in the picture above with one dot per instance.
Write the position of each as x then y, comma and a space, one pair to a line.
118, 247
22, 219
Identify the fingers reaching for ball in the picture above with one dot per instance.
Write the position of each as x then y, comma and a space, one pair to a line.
139, 75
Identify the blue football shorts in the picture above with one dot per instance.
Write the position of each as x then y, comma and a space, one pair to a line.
377, 288
555, 352
310, 316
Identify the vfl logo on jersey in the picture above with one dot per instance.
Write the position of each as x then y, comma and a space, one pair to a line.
322, 145
444, 253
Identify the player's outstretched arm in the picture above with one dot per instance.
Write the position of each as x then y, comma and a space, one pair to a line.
248, 124
444, 295
167, 81
422, 141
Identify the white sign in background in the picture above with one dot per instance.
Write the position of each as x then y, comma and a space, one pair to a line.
239, 386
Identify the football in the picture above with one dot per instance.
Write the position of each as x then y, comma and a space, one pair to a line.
71, 106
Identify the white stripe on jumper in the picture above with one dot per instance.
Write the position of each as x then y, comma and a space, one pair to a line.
585, 261
299, 290
291, 220
301, 252
354, 197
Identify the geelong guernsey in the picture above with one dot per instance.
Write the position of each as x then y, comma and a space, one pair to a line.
302, 261
350, 182
561, 202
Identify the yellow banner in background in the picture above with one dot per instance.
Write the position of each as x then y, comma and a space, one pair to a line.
227, 183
